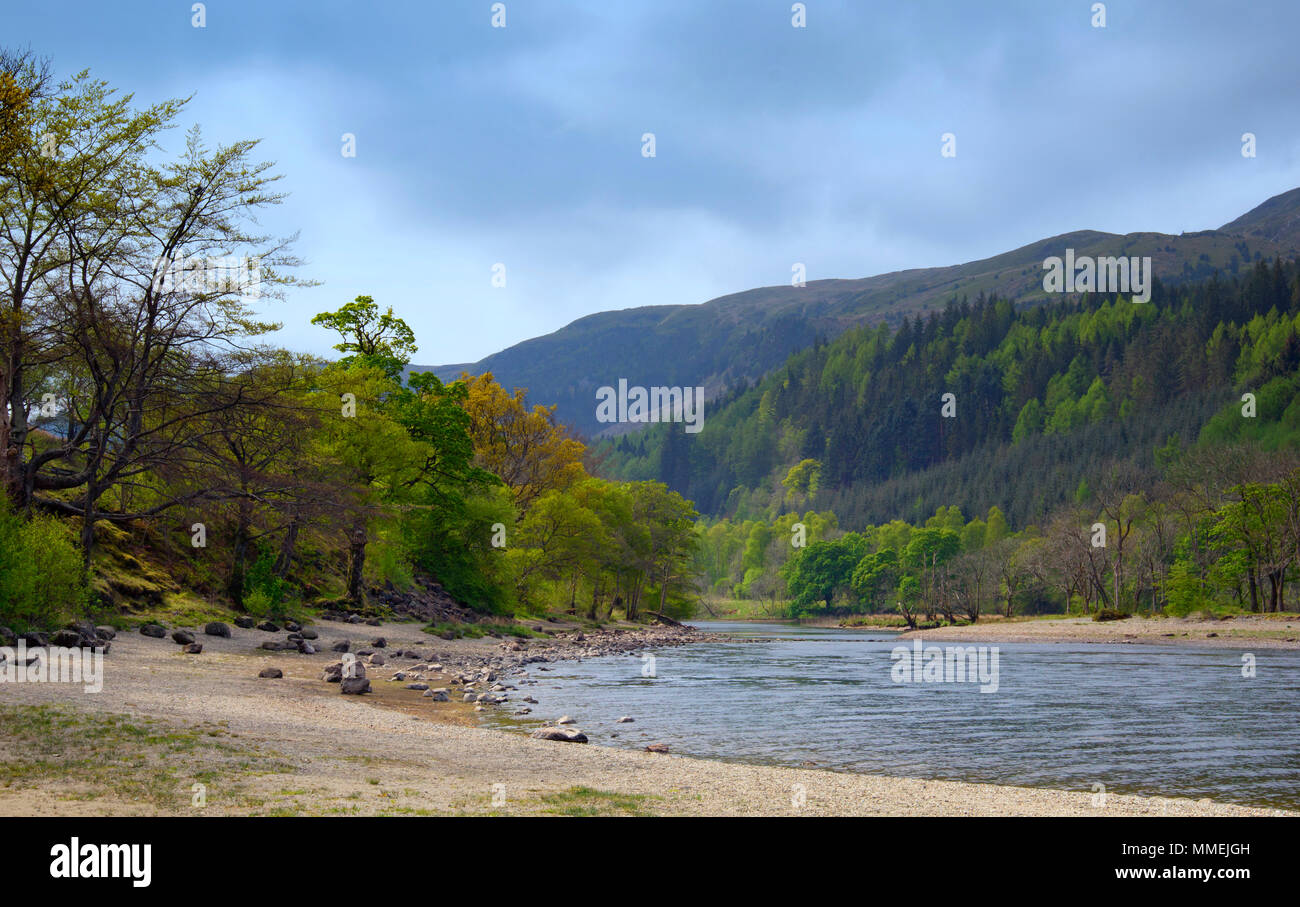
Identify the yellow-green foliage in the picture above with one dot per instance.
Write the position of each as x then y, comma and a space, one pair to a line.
40, 571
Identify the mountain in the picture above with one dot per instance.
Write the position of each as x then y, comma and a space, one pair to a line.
741, 337
992, 404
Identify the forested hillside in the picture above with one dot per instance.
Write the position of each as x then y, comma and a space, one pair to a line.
1044, 398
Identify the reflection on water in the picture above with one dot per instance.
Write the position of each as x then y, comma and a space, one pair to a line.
1178, 722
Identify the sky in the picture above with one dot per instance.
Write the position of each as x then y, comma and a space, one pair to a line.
522, 145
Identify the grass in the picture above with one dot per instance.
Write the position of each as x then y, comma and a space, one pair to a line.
76, 755
587, 801
447, 630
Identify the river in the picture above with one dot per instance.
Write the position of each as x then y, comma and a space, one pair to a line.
1156, 720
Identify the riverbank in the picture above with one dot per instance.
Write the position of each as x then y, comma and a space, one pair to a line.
1242, 632
166, 721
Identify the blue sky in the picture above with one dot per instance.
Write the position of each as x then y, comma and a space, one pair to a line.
522, 145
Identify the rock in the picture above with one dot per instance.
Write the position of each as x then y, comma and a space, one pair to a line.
271, 673
105, 632
354, 685
565, 720
272, 646
469, 697
217, 628
292, 626
378, 660
380, 643
182, 638
341, 646
7, 636
68, 639
437, 695
373, 622
309, 633
524, 711
306, 648
626, 720
530, 700
34, 639
657, 748
153, 631
194, 648
559, 734
244, 623
417, 686
269, 627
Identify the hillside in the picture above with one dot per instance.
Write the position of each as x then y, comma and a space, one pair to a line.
1046, 397
741, 337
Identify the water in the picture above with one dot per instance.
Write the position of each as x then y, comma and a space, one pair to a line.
1157, 720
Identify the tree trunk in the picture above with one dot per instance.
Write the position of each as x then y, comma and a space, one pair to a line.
356, 563
284, 561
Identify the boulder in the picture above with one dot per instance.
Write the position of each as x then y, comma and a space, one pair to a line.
565, 720
182, 638
559, 734
306, 648
105, 632
657, 748
244, 622
341, 646
292, 626
68, 639
269, 627
154, 631
271, 673
217, 628
626, 720
379, 643
354, 685
309, 633
272, 646
437, 695
7, 636
193, 648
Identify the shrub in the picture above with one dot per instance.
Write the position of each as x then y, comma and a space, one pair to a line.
1110, 614
41, 584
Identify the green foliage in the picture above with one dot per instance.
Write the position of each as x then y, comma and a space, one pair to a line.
41, 583
373, 339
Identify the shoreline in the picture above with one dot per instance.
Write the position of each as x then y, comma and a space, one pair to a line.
294, 745
1243, 631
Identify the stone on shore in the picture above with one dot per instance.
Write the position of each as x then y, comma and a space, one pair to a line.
354, 685
562, 735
